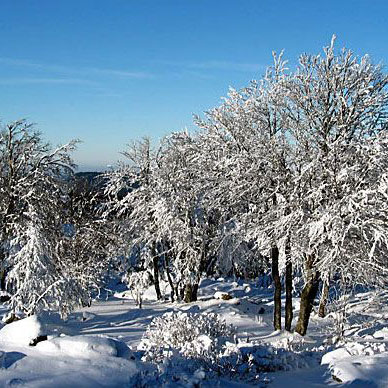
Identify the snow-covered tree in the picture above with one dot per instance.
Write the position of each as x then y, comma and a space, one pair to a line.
33, 271
33, 182
291, 168
305, 154
249, 131
132, 206
138, 283
181, 178
154, 199
89, 244
337, 108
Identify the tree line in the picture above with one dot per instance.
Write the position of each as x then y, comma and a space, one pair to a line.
288, 174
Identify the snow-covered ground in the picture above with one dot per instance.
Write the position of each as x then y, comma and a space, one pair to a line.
97, 346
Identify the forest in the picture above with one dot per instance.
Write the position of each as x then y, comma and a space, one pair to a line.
285, 184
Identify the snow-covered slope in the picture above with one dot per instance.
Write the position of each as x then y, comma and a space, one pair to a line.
97, 346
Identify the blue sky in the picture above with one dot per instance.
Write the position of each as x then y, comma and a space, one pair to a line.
111, 71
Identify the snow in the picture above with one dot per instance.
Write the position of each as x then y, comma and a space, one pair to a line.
334, 356
32, 369
222, 295
93, 348
61, 361
26, 330
363, 371
22, 332
381, 334
79, 346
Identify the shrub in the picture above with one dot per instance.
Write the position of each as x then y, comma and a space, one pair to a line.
188, 347
138, 282
189, 335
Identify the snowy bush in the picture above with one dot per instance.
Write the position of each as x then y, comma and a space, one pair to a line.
190, 335
138, 282
248, 359
192, 342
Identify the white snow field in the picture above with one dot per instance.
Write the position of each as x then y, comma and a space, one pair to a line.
98, 346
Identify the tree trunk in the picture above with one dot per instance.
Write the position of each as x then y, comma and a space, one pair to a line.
3, 271
277, 314
289, 313
323, 301
155, 262
140, 301
176, 291
170, 282
3, 275
182, 293
191, 292
309, 293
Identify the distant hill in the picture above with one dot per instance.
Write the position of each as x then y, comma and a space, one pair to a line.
90, 176
96, 182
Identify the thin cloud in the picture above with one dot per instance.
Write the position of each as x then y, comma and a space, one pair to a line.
86, 71
192, 73
63, 81
195, 69
217, 65
121, 73
230, 66
18, 62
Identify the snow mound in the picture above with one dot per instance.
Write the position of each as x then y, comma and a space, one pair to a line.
81, 346
381, 334
9, 358
22, 332
285, 339
25, 331
335, 355
364, 371
359, 364
38, 370
351, 349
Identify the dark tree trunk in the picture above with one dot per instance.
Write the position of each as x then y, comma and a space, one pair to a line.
289, 313
3, 275
309, 293
323, 301
174, 294
277, 314
170, 282
3, 271
176, 291
155, 262
191, 292
182, 293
